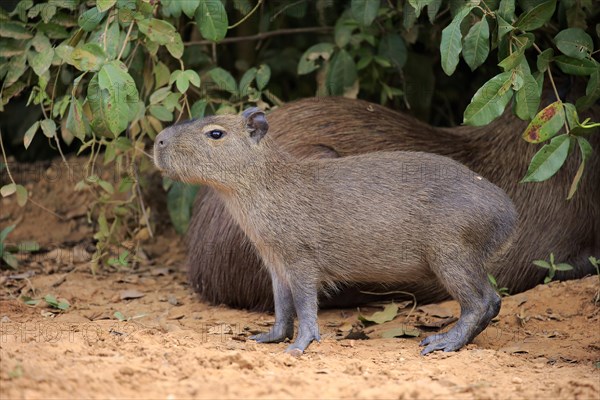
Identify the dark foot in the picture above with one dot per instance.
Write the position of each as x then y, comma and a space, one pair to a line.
277, 334
449, 341
469, 325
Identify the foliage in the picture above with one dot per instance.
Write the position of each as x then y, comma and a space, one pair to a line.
502, 291
552, 267
7, 251
594, 261
108, 75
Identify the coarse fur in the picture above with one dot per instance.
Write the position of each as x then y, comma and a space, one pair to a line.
224, 266
397, 217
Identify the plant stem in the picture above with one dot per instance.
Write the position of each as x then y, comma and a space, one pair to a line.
263, 35
241, 21
125, 41
6, 159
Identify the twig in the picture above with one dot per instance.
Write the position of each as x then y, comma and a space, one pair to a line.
6, 159
278, 13
141, 199
241, 21
263, 35
47, 210
125, 41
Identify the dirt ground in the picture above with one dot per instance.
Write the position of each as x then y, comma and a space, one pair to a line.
142, 333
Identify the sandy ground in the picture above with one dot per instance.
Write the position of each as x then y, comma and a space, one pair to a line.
142, 333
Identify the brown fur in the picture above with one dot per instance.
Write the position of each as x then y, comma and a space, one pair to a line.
224, 267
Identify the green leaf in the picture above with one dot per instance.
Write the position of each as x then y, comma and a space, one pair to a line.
343, 29
161, 113
476, 46
160, 95
543, 59
118, 95
157, 30
14, 30
451, 44
189, 7
89, 57
5, 232
175, 47
393, 48
537, 16
342, 73
503, 27
506, 9
490, 100
193, 77
182, 83
211, 18
41, 61
513, 60
48, 127
28, 138
379, 317
161, 75
104, 5
548, 160
586, 151
546, 123
7, 190
432, 10
574, 42
246, 80
108, 188
563, 267
224, 80
527, 98
16, 68
179, 203
22, 195
542, 264
199, 108
263, 75
307, 62
77, 122
365, 11
418, 5
592, 91
89, 20
573, 66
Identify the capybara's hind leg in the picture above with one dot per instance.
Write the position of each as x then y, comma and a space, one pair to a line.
467, 282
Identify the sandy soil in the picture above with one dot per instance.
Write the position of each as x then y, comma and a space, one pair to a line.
165, 343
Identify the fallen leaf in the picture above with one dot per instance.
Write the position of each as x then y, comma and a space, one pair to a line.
404, 331
379, 317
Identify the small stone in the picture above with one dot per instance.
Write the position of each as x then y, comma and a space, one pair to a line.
127, 371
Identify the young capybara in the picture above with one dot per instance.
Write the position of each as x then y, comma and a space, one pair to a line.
224, 266
393, 217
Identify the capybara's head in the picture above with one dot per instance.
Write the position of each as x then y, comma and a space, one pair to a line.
214, 150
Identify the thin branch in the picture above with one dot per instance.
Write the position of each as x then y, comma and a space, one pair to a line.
125, 41
241, 21
264, 35
6, 159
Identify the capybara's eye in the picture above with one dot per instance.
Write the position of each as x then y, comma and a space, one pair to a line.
215, 134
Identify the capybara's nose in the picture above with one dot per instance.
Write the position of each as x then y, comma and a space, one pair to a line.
163, 138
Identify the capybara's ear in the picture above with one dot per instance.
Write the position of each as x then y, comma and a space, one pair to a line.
256, 123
